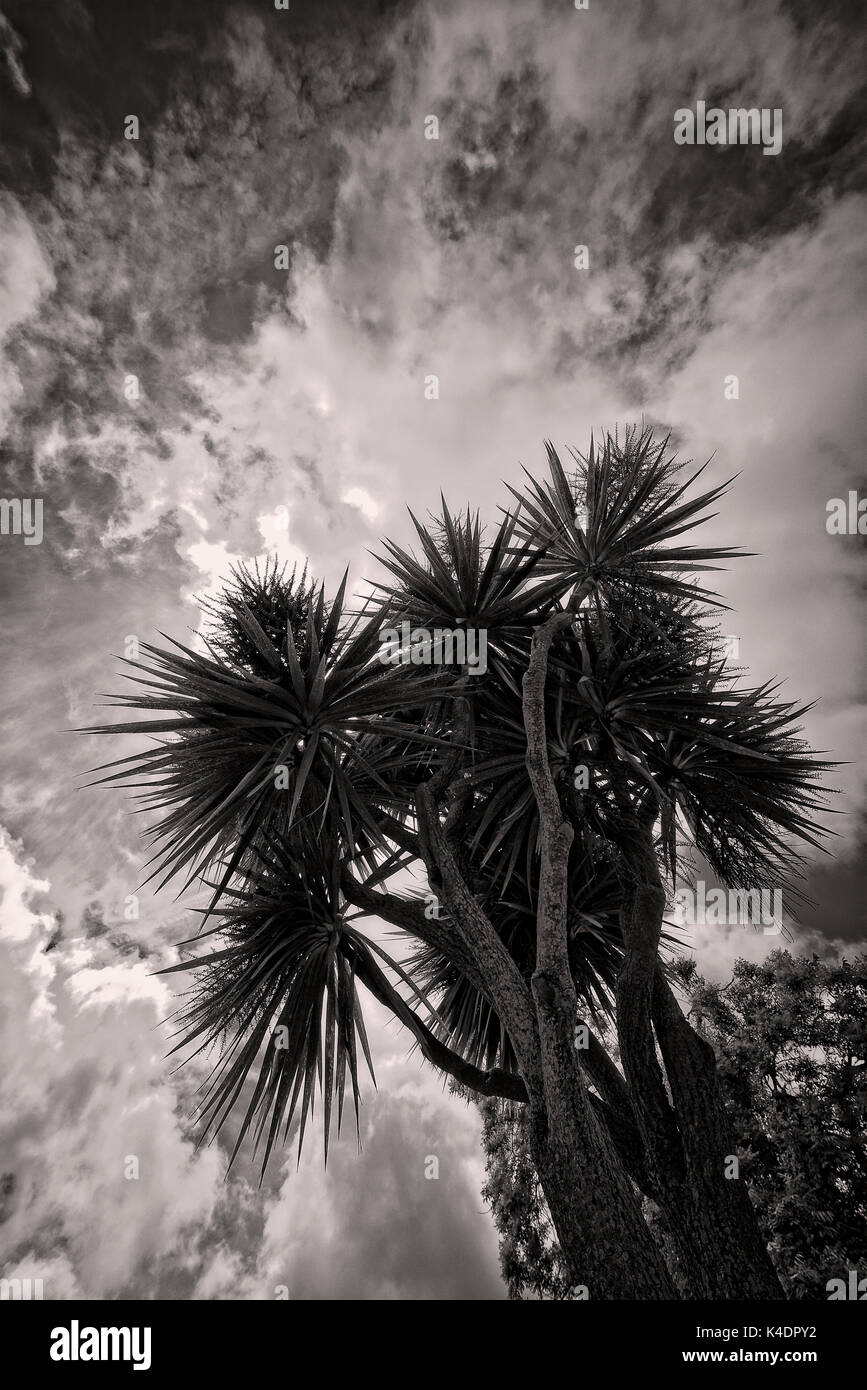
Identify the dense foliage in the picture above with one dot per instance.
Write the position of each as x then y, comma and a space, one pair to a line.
790, 1035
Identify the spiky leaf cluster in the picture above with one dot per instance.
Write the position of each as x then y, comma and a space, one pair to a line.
288, 754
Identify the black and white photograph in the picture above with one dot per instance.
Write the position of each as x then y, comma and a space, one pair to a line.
433, 805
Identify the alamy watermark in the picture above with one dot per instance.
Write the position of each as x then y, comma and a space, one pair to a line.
20, 1289
737, 126
22, 516
730, 907
851, 1288
846, 516
77, 1343
423, 646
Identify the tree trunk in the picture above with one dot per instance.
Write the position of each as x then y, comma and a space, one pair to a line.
641, 918
598, 1219
687, 1135
595, 1211
720, 1222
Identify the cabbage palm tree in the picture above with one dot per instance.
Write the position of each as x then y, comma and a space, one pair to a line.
549, 803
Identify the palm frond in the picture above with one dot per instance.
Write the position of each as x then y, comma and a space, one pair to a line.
242, 760
281, 995
616, 522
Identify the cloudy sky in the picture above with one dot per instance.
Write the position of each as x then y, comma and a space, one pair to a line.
284, 411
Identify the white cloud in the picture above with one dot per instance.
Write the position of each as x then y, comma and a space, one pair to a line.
85, 1086
717, 947
359, 497
25, 276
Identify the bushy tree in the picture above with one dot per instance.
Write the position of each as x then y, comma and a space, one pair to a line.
302, 764
790, 1036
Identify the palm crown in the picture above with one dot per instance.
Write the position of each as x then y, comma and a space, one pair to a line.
289, 760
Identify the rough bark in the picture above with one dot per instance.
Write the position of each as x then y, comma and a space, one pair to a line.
611, 1106
641, 921
502, 979
602, 1232
600, 1227
720, 1221
687, 1137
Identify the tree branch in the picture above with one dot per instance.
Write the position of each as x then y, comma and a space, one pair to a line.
494, 1082
534, 680
641, 924
556, 833
398, 832
626, 1140
606, 1077
505, 986
410, 917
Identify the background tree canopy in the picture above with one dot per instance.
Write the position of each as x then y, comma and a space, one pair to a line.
790, 1036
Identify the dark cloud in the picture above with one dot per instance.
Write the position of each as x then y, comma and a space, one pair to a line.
837, 887
523, 177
